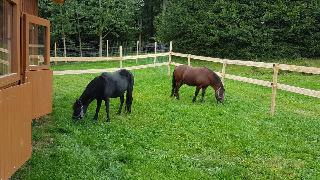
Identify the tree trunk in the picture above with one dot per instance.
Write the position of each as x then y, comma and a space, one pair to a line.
164, 5
100, 41
140, 33
79, 34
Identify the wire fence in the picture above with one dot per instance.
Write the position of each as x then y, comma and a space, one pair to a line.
109, 49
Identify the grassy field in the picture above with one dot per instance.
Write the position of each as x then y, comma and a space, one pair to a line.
168, 139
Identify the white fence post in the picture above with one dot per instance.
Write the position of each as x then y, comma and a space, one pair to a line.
155, 53
120, 49
274, 88
170, 58
189, 59
137, 52
223, 72
107, 48
55, 52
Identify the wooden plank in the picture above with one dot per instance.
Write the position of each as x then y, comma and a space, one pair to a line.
303, 69
299, 90
107, 48
179, 54
249, 80
155, 53
93, 59
121, 58
223, 71
41, 93
137, 55
274, 88
36, 45
251, 63
176, 64
189, 60
234, 62
83, 59
15, 129
170, 59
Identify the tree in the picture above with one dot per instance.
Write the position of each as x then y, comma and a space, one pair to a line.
242, 29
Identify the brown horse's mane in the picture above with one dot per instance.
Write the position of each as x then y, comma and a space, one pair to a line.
215, 76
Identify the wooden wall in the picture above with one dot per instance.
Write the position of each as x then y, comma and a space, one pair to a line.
41, 93
30, 7
15, 128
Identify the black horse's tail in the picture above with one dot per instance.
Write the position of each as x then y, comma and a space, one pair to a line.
129, 98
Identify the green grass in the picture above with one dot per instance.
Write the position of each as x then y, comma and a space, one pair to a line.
168, 139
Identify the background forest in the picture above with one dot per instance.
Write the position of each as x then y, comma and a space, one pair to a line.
219, 28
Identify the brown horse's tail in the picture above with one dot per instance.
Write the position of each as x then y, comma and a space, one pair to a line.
173, 84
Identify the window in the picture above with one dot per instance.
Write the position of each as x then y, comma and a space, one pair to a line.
36, 44
6, 28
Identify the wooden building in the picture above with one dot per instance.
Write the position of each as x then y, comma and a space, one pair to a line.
25, 79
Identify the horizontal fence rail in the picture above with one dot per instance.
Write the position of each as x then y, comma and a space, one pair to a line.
118, 58
285, 67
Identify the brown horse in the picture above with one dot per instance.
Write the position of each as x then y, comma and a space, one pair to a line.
201, 78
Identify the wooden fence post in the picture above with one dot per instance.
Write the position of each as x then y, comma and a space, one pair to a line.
170, 58
55, 52
155, 53
107, 48
223, 72
137, 52
189, 59
120, 49
274, 88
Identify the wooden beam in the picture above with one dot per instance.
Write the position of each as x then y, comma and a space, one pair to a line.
274, 88
223, 71
170, 59
120, 49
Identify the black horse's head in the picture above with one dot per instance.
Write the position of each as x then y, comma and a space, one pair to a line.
78, 110
220, 94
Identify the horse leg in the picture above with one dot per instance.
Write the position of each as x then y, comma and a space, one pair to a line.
121, 104
107, 103
129, 100
203, 94
97, 109
178, 85
196, 94
172, 91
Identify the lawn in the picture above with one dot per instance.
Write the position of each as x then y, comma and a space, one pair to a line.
165, 138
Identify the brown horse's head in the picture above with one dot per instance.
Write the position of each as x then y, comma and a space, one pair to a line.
219, 93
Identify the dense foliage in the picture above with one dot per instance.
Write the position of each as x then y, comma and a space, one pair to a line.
220, 28
86, 21
243, 29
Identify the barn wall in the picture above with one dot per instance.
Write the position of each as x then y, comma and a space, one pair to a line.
15, 128
30, 7
41, 81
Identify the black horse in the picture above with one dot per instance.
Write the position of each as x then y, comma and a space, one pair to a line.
104, 87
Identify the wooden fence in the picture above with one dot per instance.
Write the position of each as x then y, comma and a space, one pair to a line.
274, 85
